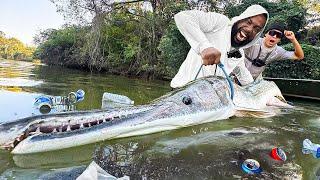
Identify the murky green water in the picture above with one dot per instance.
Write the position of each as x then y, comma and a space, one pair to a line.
209, 151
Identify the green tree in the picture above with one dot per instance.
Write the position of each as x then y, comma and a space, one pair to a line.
290, 13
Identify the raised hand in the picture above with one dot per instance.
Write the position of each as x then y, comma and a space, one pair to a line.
289, 35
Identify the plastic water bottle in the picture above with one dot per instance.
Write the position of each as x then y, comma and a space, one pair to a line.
116, 98
309, 147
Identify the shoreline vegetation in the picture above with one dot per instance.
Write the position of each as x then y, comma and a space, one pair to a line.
14, 49
139, 38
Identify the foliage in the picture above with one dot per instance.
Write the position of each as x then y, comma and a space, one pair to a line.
59, 45
313, 36
12, 48
309, 68
174, 49
310, 4
289, 13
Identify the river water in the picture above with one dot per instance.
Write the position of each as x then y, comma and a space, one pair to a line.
209, 151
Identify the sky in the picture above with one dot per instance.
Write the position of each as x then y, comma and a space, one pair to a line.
23, 19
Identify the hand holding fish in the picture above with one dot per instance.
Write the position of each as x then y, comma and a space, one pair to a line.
210, 56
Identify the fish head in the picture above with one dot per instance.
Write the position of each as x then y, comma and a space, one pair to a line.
208, 93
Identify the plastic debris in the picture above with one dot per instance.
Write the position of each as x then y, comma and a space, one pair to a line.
95, 172
251, 166
278, 154
311, 148
117, 98
60, 103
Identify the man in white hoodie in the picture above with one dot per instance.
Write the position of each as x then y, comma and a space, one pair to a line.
214, 38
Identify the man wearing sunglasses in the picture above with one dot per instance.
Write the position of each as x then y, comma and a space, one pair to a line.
214, 38
266, 50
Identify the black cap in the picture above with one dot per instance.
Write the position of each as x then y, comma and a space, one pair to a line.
276, 26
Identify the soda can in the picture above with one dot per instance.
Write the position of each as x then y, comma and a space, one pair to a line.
278, 154
44, 104
43, 100
251, 166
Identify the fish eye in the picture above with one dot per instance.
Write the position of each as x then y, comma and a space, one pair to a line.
187, 100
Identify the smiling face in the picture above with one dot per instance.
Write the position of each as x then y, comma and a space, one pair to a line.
244, 31
272, 37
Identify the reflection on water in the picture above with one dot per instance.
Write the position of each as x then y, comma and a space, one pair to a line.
208, 151
18, 98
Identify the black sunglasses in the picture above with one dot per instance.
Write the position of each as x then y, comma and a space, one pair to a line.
277, 33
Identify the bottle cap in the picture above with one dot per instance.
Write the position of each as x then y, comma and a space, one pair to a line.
278, 154
251, 166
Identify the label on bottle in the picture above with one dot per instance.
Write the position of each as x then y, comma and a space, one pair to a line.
318, 153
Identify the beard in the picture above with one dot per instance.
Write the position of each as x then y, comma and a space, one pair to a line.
234, 42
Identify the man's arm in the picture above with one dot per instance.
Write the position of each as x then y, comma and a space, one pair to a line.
194, 24
298, 52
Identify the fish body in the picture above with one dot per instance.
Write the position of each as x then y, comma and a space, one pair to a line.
201, 101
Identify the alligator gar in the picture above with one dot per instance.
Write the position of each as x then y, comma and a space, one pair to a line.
201, 101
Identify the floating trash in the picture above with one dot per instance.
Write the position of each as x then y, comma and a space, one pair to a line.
311, 148
278, 154
117, 98
110, 100
75, 97
251, 166
60, 103
44, 104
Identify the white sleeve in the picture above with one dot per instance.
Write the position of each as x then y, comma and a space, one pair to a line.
193, 25
243, 74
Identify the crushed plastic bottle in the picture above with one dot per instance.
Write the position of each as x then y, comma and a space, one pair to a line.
311, 148
116, 98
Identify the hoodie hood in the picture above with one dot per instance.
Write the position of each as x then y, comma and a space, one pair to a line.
252, 10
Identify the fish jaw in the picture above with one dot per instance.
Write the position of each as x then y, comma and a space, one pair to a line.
49, 142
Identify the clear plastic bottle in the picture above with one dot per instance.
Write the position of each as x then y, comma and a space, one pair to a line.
116, 98
311, 148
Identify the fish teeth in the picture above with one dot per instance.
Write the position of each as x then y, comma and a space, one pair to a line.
68, 128
81, 125
37, 131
